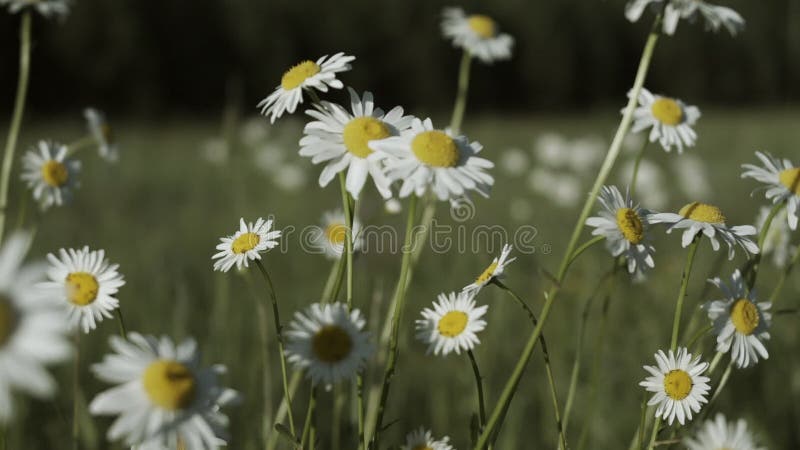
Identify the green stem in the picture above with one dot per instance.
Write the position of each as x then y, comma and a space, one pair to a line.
121, 322
16, 118
605, 170
80, 144
642, 421
576, 364
687, 270
784, 275
751, 270
697, 336
294, 384
461, 96
76, 385
279, 333
586, 245
714, 362
398, 301
308, 426
479, 385
654, 433
637, 162
336, 418
334, 281
546, 355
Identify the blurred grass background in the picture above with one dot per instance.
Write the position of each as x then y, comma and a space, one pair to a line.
168, 72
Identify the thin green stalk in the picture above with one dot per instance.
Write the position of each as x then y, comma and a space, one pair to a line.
595, 375
16, 118
637, 162
697, 336
308, 426
576, 364
279, 333
76, 385
654, 434
294, 384
714, 362
121, 322
586, 245
479, 386
547, 366
642, 421
334, 279
784, 275
398, 301
687, 270
461, 96
3, 435
751, 270
80, 144
336, 418
723, 381
605, 170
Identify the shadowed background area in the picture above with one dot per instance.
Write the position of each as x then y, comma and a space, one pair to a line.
142, 58
180, 81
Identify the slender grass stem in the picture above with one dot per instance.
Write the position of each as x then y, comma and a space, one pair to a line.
585, 246
336, 418
121, 322
654, 433
479, 385
636, 164
784, 275
697, 336
461, 95
714, 362
398, 301
605, 170
642, 421
283, 409
76, 386
751, 269
687, 270
279, 333
16, 118
334, 279
80, 144
576, 364
308, 425
547, 366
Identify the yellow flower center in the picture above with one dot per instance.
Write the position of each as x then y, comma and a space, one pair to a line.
361, 130
297, 74
487, 274
8, 319
169, 384
453, 323
336, 233
82, 288
702, 212
331, 344
245, 243
55, 173
667, 111
435, 148
678, 384
791, 179
630, 224
482, 25
744, 315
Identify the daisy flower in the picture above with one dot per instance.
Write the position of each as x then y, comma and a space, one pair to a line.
714, 15
245, 245
783, 183
47, 8
306, 75
331, 237
670, 120
778, 241
494, 271
426, 158
329, 342
707, 219
477, 34
85, 282
452, 324
49, 174
32, 328
163, 396
624, 226
339, 138
422, 439
101, 132
721, 434
677, 384
739, 321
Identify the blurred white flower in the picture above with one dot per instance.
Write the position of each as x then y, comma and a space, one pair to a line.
585, 153
253, 132
721, 434
562, 189
514, 162
215, 151
393, 206
50, 174
650, 184
779, 237
47, 8
715, 16
269, 158
692, 176
477, 34
101, 132
550, 149
290, 177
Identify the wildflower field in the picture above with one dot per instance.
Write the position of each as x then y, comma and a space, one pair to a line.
619, 278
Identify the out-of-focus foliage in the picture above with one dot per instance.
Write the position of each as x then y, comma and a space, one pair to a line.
178, 55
